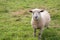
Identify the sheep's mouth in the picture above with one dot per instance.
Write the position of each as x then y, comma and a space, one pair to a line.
36, 19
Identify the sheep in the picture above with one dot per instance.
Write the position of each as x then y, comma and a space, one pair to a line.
40, 19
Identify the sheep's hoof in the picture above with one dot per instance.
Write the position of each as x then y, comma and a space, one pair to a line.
39, 39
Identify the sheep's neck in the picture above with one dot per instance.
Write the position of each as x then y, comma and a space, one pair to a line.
38, 24
38, 21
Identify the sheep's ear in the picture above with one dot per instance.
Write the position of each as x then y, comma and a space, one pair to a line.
41, 10
30, 10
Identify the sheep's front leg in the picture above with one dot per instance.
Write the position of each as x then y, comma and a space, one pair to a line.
40, 34
34, 32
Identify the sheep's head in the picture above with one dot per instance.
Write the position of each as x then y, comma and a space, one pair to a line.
36, 13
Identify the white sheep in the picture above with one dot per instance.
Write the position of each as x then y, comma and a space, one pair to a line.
40, 19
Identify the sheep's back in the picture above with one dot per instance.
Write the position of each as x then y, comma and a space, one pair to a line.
45, 16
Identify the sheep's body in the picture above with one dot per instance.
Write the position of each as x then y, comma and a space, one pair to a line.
40, 19
44, 20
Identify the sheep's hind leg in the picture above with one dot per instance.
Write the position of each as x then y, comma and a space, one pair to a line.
40, 34
34, 32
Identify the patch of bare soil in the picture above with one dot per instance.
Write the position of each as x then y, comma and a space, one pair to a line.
19, 12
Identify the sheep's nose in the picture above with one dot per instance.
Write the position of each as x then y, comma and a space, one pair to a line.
36, 17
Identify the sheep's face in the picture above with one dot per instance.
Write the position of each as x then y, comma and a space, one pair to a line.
36, 13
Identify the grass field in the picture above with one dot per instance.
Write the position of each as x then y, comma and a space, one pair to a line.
15, 19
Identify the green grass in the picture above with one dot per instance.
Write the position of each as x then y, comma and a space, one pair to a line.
18, 27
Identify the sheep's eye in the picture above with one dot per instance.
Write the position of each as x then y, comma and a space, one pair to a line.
39, 12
